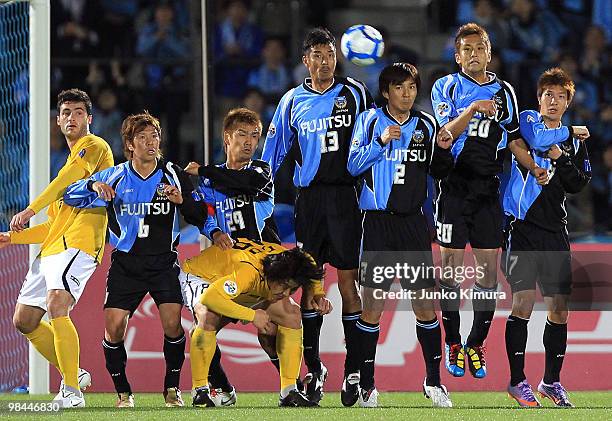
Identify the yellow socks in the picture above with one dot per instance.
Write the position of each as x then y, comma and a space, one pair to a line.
290, 349
42, 338
201, 352
67, 350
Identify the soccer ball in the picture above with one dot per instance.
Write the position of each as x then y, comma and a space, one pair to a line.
362, 45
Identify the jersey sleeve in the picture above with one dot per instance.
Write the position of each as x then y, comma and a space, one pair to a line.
366, 101
280, 135
537, 135
441, 160
575, 170
219, 296
205, 195
252, 180
80, 194
364, 151
441, 102
81, 165
193, 212
511, 123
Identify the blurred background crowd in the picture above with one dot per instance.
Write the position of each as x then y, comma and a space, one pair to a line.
132, 55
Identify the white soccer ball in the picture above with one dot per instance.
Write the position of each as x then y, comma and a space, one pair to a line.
362, 45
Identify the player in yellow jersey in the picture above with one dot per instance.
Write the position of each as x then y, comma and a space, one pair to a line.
251, 282
72, 245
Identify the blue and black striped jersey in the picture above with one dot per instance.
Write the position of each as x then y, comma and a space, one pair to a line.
395, 174
479, 150
241, 201
544, 206
322, 124
141, 219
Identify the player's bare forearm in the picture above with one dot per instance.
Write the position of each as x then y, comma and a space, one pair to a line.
459, 124
520, 150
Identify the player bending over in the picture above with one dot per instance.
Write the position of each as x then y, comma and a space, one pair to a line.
393, 150
251, 282
72, 247
537, 241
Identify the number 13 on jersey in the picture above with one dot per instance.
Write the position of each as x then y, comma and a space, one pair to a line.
329, 142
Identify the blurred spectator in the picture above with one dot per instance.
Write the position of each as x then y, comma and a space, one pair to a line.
256, 101
237, 48
585, 104
167, 83
593, 54
106, 122
118, 23
57, 146
601, 185
74, 35
486, 13
272, 78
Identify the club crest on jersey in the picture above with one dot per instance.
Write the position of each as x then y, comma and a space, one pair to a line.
443, 109
230, 287
82, 153
271, 130
498, 100
418, 136
340, 102
160, 189
355, 142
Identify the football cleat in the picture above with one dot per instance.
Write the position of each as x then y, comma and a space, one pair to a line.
201, 397
295, 398
68, 398
221, 398
438, 394
314, 382
350, 390
523, 395
556, 393
125, 400
476, 360
172, 396
455, 359
368, 398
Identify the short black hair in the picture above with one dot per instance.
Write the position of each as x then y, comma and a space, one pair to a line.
74, 95
397, 73
293, 266
317, 36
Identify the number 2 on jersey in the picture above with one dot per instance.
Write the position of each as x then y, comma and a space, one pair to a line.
329, 142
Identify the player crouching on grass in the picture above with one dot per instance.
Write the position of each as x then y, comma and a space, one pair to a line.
250, 282
394, 148
537, 242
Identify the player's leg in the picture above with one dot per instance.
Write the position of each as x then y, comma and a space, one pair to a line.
201, 353
486, 237
287, 316
66, 275
115, 355
368, 332
429, 335
174, 351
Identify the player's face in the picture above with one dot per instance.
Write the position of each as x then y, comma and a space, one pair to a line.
401, 96
321, 62
241, 142
73, 120
473, 55
553, 102
279, 290
145, 145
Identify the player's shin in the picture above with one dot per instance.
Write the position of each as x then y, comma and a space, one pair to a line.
430, 338
449, 303
484, 303
202, 350
368, 338
42, 339
312, 322
351, 363
555, 344
289, 348
66, 342
516, 342
174, 354
216, 375
116, 360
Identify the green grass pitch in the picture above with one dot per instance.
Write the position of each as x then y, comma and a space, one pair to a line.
263, 406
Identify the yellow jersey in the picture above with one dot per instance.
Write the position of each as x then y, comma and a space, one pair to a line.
236, 275
68, 227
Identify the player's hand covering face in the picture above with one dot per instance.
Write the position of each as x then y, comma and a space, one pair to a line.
241, 142
145, 145
473, 55
321, 62
73, 120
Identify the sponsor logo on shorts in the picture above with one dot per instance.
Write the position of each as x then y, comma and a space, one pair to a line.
75, 280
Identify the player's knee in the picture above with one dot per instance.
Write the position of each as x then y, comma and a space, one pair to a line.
24, 324
558, 316
371, 316
58, 303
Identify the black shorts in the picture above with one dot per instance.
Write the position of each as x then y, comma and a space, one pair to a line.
328, 224
534, 255
390, 240
131, 277
468, 210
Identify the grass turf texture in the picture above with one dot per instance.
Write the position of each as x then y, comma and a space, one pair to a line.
263, 406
